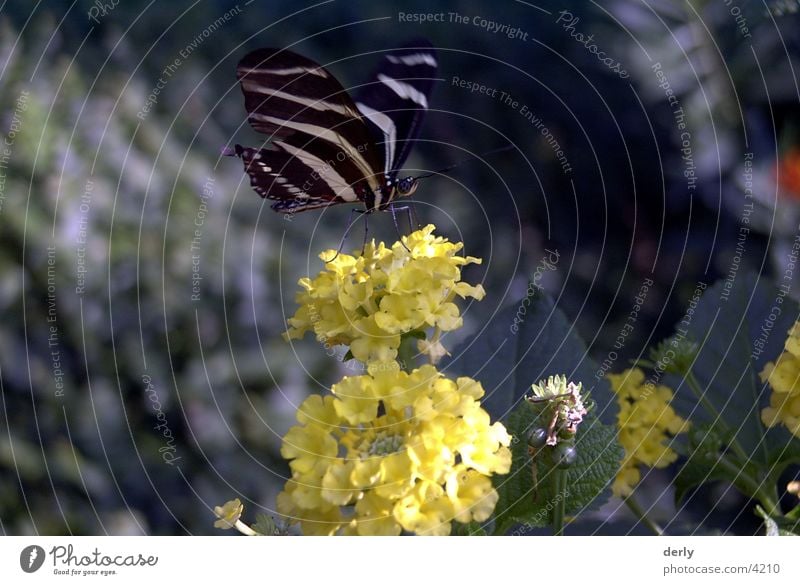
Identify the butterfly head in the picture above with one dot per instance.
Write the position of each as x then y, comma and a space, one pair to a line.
406, 186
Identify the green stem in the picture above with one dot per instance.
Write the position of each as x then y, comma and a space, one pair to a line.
559, 478
637, 510
756, 488
245, 529
751, 485
694, 386
407, 352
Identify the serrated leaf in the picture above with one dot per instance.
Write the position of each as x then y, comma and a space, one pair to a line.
516, 490
265, 525
525, 502
543, 344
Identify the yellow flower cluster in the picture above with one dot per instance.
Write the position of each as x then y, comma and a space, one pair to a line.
645, 421
368, 300
784, 377
393, 451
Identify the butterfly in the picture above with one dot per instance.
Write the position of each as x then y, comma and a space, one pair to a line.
326, 147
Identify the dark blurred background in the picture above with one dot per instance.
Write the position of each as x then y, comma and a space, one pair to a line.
145, 286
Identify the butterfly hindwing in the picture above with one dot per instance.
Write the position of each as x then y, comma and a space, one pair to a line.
291, 178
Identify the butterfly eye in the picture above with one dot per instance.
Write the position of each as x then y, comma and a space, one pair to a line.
406, 186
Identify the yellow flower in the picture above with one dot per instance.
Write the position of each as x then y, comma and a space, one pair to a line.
433, 349
627, 478
228, 514
369, 300
783, 409
646, 423
783, 376
393, 451
792, 344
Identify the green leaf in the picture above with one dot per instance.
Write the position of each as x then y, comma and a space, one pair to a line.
599, 457
709, 461
416, 334
705, 447
523, 344
407, 351
740, 326
785, 452
265, 525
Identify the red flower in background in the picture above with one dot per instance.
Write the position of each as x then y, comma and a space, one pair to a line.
789, 173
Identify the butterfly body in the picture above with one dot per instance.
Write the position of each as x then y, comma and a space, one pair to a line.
326, 148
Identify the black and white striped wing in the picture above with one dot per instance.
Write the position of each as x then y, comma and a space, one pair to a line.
294, 178
396, 99
322, 151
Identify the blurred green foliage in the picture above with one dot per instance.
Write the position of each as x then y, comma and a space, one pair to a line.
126, 200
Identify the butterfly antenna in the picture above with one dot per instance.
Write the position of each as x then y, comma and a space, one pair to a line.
461, 162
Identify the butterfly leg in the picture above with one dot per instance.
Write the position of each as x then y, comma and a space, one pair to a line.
394, 211
347, 232
366, 230
411, 215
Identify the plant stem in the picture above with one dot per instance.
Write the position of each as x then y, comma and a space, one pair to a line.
753, 487
559, 477
245, 529
694, 386
637, 510
407, 352
756, 488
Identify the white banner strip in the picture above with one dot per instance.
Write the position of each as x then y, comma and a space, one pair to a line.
389, 561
